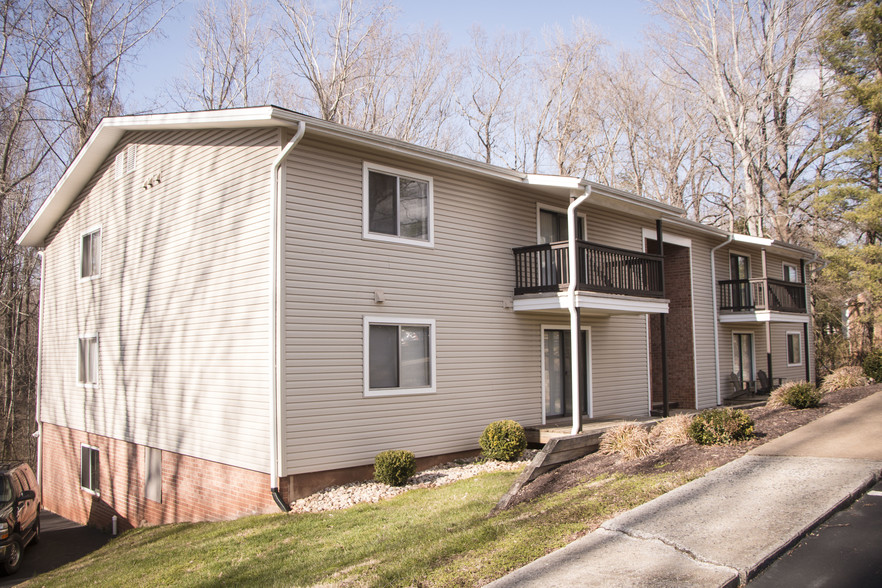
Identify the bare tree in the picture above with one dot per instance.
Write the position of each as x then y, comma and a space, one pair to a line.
333, 54
744, 59
488, 101
93, 41
232, 66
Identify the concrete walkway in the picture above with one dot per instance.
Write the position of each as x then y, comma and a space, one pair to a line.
720, 530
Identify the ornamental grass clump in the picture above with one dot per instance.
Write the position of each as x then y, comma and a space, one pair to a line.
630, 440
394, 467
873, 365
721, 426
671, 431
845, 377
503, 440
796, 394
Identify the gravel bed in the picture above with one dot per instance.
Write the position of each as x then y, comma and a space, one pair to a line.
339, 497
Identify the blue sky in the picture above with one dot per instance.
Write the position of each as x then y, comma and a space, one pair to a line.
619, 21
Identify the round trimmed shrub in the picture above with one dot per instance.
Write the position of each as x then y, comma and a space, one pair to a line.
797, 394
873, 365
394, 467
503, 440
720, 426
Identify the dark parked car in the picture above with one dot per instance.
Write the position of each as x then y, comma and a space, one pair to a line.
20, 504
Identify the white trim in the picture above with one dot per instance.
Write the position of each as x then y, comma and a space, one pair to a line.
764, 316
396, 321
540, 207
799, 347
608, 303
399, 173
565, 327
84, 488
92, 230
672, 239
566, 182
80, 382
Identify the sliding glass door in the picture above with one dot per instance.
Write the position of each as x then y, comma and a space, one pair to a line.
558, 373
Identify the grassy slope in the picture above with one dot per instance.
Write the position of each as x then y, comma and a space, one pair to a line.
425, 537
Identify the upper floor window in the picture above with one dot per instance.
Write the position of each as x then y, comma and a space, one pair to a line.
791, 273
397, 206
554, 228
90, 254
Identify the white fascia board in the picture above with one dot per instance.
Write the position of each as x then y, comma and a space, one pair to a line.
610, 304
764, 316
565, 182
774, 244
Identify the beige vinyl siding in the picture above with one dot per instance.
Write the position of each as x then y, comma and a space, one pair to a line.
488, 357
180, 307
703, 323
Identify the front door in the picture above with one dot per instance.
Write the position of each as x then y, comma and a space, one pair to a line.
558, 373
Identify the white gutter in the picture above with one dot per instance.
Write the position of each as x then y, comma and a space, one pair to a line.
575, 327
276, 316
717, 313
39, 433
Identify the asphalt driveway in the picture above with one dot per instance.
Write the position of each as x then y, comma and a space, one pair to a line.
61, 542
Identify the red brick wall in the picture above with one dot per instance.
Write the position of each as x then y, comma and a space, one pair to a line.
192, 489
679, 328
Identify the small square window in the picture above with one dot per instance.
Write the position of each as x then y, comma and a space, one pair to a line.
794, 349
89, 469
399, 356
397, 207
87, 360
90, 254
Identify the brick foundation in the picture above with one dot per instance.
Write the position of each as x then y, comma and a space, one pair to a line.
680, 349
192, 489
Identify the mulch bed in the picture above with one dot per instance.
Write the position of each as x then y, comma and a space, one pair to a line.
770, 422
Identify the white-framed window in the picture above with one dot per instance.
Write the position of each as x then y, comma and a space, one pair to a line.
397, 206
126, 161
90, 253
87, 359
89, 469
552, 225
153, 474
399, 356
794, 348
791, 273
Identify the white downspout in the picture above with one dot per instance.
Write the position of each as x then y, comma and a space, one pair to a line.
275, 316
575, 327
39, 433
717, 314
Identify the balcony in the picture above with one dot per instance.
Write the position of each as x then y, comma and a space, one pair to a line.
604, 273
761, 297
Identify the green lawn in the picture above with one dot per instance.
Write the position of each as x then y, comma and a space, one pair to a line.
425, 537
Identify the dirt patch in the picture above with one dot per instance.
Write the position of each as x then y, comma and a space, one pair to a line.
770, 422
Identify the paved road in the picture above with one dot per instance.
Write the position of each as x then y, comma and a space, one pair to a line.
844, 552
61, 542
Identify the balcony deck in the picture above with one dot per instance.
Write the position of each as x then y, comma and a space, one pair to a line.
762, 299
602, 269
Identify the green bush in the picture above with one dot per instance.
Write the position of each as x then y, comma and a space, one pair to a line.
797, 394
394, 467
873, 365
720, 426
503, 440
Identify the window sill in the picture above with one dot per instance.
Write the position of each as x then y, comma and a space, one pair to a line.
394, 239
385, 392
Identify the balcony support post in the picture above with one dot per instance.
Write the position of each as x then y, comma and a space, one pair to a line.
664, 332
